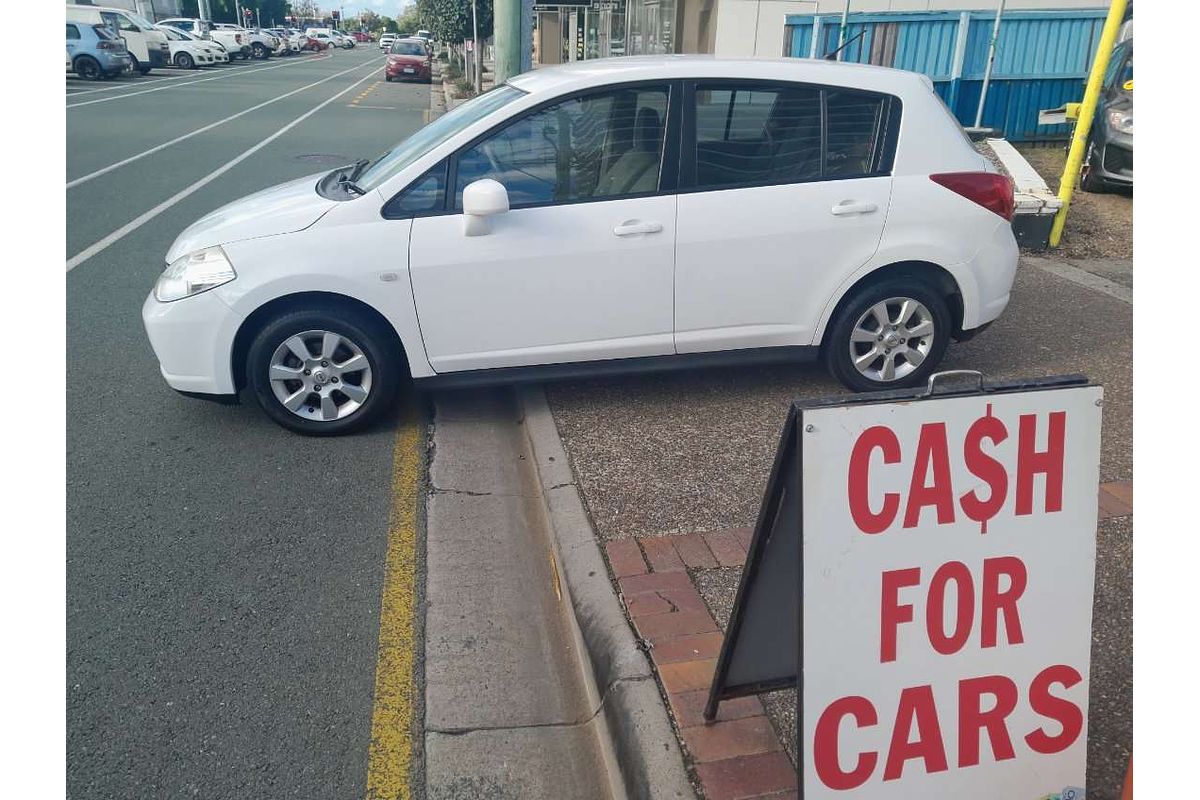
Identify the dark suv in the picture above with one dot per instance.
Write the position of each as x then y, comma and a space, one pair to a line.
1109, 159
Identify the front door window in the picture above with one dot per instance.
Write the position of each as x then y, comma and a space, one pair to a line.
603, 145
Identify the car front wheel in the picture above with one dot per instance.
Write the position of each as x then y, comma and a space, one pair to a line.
323, 372
185, 61
889, 335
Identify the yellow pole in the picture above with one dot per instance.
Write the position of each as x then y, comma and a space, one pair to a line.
1083, 126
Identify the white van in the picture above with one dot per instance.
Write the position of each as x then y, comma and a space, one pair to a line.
147, 47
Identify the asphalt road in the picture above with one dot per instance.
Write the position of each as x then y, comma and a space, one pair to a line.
223, 576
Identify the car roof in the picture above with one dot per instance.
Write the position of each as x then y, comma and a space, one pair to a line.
599, 72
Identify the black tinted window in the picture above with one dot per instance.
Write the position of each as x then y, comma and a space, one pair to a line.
424, 194
72, 31
757, 135
853, 125
601, 145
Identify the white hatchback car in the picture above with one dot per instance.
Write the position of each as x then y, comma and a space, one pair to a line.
625, 214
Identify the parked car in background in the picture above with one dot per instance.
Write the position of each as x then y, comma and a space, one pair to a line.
1108, 161
187, 53
362, 36
385, 41
220, 54
262, 45
324, 37
232, 40
94, 51
409, 59
878, 234
147, 47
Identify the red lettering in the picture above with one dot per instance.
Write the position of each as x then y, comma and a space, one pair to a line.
825, 743
931, 449
868, 521
916, 703
935, 614
996, 603
972, 719
1058, 709
891, 612
985, 467
1048, 462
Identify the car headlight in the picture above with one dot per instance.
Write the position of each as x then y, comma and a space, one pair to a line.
1120, 121
194, 273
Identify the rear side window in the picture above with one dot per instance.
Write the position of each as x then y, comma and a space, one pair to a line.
757, 135
853, 126
764, 134
72, 31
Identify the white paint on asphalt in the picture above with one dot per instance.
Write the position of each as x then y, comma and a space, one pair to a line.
199, 80
1082, 277
198, 131
142, 219
72, 91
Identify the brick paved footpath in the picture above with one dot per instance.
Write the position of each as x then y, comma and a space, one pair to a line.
739, 755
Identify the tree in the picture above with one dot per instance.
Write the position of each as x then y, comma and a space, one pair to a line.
410, 20
369, 20
450, 20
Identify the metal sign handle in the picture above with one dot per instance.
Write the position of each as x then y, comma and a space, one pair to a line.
951, 373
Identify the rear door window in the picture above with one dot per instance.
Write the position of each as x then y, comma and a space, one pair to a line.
853, 128
72, 31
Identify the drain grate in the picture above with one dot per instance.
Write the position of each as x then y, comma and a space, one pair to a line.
324, 158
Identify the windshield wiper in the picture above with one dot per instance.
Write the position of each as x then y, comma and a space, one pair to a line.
356, 169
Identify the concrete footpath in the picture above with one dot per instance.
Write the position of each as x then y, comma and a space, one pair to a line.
508, 712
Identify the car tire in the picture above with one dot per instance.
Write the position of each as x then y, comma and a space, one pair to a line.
270, 355
1089, 177
915, 312
185, 61
260, 51
387, 78
88, 68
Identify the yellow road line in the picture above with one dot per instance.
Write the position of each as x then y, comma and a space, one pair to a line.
392, 719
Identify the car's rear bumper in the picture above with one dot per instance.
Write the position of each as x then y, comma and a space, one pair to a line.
419, 71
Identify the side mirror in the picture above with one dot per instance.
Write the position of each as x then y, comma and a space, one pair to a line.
482, 199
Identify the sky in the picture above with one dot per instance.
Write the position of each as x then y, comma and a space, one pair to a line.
388, 8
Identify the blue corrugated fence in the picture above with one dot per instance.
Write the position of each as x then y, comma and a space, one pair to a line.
1042, 58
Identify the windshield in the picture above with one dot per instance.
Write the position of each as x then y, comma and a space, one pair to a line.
408, 49
141, 22
436, 132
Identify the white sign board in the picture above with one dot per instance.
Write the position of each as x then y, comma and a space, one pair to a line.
948, 557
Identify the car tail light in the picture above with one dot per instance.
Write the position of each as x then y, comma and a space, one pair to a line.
109, 46
990, 190
237, 37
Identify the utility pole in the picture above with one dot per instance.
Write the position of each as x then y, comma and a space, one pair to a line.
506, 16
257, 18
842, 29
205, 14
987, 71
476, 56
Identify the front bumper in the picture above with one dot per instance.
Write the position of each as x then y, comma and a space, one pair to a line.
159, 58
1116, 159
193, 341
419, 71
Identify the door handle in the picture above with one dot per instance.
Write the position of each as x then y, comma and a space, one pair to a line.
847, 207
633, 227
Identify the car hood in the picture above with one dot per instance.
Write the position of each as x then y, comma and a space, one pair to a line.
286, 208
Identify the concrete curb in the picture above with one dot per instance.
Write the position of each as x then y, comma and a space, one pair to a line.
639, 731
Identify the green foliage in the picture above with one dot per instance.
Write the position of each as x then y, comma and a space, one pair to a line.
450, 20
464, 88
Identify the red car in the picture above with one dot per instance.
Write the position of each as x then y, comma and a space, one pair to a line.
409, 59
316, 45
362, 36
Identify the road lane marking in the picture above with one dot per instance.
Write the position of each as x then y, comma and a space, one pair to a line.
115, 87
1068, 271
199, 80
198, 131
142, 219
389, 758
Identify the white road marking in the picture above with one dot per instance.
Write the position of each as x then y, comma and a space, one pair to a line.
115, 87
190, 83
142, 219
1070, 272
209, 127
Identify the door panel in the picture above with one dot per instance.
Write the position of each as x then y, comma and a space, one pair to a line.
547, 285
756, 266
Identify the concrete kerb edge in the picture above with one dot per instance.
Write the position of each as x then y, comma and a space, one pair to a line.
638, 728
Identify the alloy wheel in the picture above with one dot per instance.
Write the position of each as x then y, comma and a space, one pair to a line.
891, 339
320, 375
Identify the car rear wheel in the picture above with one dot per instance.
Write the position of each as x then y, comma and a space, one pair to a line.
322, 372
889, 335
185, 61
88, 68
260, 51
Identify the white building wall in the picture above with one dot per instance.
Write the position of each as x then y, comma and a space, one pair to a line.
755, 27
